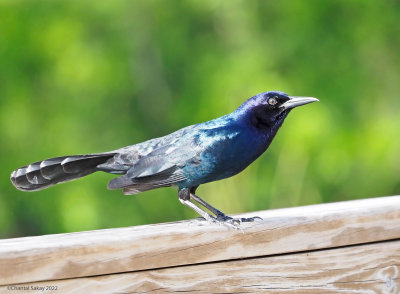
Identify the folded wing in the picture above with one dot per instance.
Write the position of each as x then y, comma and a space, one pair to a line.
160, 168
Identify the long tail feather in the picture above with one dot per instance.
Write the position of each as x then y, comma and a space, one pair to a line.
43, 174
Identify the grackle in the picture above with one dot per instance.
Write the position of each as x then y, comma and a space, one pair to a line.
187, 158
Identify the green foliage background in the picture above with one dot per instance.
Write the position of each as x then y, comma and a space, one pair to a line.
91, 76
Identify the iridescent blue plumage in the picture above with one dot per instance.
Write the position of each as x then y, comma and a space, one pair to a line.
187, 158
205, 152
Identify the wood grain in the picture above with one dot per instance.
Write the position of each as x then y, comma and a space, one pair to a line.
371, 268
129, 249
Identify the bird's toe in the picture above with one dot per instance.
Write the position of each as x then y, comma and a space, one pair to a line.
250, 219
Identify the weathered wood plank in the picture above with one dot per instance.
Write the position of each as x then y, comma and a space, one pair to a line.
371, 268
171, 244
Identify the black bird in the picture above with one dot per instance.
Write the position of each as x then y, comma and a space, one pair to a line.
187, 158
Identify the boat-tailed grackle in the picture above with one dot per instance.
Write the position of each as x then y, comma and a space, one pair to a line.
187, 158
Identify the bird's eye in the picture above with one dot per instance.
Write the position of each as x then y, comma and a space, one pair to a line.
272, 101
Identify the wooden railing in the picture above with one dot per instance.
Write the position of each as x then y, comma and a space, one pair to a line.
345, 247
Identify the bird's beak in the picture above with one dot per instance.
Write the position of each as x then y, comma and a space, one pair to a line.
295, 101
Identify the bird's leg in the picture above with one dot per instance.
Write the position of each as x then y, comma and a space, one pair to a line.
204, 214
184, 198
219, 214
185, 195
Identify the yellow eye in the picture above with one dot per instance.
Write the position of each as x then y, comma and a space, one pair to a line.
272, 101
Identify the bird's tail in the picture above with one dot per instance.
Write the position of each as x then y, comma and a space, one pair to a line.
46, 173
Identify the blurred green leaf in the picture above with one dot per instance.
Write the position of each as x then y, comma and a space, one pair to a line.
82, 77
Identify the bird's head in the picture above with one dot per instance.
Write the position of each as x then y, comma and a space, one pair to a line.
269, 109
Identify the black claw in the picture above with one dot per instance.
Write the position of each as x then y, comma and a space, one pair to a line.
250, 219
225, 218
221, 215
236, 221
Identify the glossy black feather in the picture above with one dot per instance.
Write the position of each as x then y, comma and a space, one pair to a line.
187, 158
43, 174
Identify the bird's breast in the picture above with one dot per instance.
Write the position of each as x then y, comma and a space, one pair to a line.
222, 154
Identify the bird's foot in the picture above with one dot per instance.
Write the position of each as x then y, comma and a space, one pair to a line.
227, 221
230, 222
250, 219
222, 220
236, 221
225, 218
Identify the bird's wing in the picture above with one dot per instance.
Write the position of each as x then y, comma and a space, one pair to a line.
159, 162
159, 168
127, 157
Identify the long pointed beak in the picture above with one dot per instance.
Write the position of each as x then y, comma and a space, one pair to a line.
297, 101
